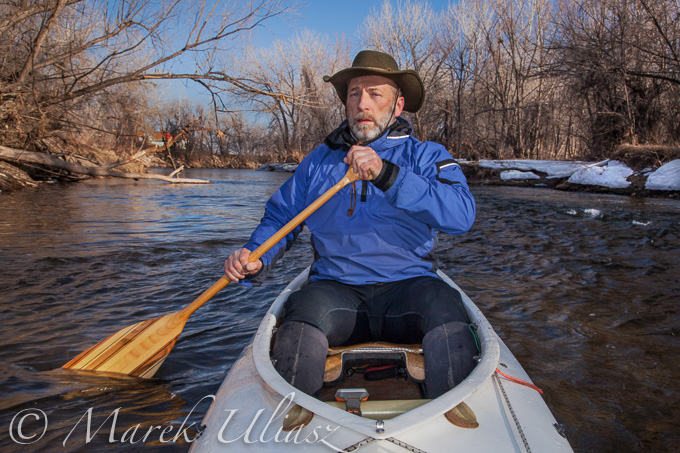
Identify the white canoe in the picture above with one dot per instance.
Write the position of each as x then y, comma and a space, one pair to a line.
248, 411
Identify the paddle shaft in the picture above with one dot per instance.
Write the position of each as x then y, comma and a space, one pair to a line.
208, 294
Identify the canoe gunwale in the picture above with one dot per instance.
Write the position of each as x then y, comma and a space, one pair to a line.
483, 372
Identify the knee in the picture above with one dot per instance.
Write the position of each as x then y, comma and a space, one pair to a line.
309, 307
293, 336
444, 308
456, 336
450, 351
323, 307
299, 355
441, 305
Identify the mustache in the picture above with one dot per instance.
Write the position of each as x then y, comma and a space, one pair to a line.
364, 116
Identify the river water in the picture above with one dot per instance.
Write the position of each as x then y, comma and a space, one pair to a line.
583, 288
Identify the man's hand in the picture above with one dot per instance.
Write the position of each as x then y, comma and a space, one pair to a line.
236, 267
364, 161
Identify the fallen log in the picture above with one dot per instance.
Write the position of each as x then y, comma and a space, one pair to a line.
20, 156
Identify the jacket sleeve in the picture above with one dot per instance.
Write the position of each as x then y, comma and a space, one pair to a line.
433, 191
283, 206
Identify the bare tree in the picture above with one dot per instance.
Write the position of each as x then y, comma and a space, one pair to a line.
621, 61
503, 99
406, 31
460, 48
515, 41
290, 92
59, 55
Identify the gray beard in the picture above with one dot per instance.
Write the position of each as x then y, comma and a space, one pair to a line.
368, 133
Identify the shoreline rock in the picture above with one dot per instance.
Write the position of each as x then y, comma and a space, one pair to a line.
278, 167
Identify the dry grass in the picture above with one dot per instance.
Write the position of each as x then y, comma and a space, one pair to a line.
639, 157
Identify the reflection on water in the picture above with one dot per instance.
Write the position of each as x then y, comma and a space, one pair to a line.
583, 288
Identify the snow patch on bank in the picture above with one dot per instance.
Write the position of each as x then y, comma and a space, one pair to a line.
666, 177
516, 174
553, 168
608, 173
613, 175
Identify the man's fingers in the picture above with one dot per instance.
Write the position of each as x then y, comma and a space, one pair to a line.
364, 161
233, 276
368, 170
231, 271
234, 266
237, 267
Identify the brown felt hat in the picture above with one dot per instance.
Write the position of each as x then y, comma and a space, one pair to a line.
371, 62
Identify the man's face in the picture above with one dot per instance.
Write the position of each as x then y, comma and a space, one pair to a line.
370, 100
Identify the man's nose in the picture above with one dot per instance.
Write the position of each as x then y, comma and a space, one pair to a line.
364, 101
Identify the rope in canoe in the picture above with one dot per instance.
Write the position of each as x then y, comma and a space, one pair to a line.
519, 381
498, 372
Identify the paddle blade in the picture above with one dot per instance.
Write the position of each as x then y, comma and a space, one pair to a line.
137, 350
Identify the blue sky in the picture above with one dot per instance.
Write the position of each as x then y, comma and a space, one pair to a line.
333, 18
330, 17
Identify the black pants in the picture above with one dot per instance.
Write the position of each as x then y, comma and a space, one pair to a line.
329, 313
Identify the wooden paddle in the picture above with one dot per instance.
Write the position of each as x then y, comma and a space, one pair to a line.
140, 349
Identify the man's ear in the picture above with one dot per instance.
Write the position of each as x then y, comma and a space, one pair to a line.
399, 107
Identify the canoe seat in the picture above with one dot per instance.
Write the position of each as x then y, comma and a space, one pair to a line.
374, 354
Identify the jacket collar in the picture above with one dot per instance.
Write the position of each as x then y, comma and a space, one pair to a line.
342, 138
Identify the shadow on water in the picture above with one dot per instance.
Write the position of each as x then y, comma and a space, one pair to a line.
583, 288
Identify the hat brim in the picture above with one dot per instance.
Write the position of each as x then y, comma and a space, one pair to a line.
408, 81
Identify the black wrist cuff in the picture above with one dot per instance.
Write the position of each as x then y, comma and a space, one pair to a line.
387, 177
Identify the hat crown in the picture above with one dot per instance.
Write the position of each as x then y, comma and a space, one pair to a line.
375, 60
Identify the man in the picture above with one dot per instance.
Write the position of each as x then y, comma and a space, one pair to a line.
374, 271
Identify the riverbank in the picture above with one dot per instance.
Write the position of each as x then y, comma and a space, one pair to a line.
608, 176
636, 173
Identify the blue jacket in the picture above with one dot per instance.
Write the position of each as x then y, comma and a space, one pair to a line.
390, 235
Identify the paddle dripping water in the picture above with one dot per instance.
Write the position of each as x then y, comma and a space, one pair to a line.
583, 289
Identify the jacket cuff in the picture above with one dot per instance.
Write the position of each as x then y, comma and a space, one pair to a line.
387, 176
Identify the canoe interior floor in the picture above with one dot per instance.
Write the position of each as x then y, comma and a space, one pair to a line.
385, 389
